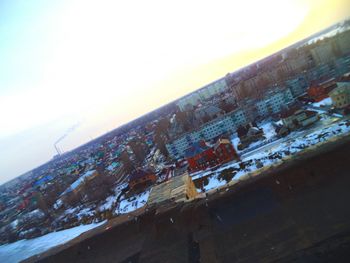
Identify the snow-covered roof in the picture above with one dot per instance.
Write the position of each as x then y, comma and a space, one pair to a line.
112, 166
78, 181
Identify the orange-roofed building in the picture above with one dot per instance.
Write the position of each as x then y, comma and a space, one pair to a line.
320, 92
141, 179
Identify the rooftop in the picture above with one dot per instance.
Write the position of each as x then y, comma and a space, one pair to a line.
196, 148
139, 173
79, 181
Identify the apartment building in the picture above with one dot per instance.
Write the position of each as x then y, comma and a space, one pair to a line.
202, 94
297, 86
226, 124
274, 101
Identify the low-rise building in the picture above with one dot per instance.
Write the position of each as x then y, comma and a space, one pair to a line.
225, 151
77, 185
297, 118
247, 135
341, 95
77, 190
141, 179
177, 189
320, 92
201, 156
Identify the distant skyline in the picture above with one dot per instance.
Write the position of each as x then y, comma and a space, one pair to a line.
104, 63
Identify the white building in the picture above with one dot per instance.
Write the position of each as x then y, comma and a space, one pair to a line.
297, 86
212, 89
227, 124
192, 99
274, 102
202, 94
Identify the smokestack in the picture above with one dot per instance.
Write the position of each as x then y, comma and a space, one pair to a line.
57, 150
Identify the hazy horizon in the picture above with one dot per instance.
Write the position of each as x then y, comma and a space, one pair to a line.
102, 65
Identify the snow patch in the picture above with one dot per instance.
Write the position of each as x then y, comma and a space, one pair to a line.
324, 102
132, 203
22, 249
272, 156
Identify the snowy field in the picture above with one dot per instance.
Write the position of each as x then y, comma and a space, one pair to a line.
269, 133
22, 249
324, 102
110, 201
269, 157
131, 204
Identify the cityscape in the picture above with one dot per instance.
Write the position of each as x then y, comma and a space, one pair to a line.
214, 140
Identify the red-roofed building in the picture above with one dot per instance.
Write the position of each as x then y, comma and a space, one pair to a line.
225, 151
320, 92
141, 179
201, 156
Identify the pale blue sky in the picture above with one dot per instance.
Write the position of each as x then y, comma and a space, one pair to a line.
103, 63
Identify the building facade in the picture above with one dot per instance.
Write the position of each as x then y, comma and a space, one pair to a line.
274, 101
200, 156
141, 179
341, 95
178, 189
297, 86
294, 119
320, 92
202, 94
226, 124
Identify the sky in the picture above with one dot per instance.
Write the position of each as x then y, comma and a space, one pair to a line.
95, 65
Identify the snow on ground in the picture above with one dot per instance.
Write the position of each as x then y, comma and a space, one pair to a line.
200, 174
111, 200
324, 102
86, 212
235, 142
269, 133
214, 182
132, 203
107, 205
272, 156
269, 130
14, 223
77, 212
57, 204
35, 213
22, 249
